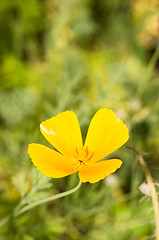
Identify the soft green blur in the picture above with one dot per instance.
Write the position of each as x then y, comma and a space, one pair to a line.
79, 55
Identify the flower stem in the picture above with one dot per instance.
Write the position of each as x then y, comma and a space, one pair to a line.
48, 199
17, 212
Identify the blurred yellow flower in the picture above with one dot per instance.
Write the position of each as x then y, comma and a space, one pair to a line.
106, 133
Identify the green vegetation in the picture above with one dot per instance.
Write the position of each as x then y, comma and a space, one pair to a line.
78, 55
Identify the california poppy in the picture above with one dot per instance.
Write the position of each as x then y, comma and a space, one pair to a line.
106, 133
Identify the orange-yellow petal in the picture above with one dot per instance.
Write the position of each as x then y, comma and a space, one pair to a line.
63, 132
50, 162
94, 172
106, 133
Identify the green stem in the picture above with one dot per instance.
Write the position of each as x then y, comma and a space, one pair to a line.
5, 220
48, 199
17, 213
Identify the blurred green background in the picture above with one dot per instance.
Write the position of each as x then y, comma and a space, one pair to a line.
79, 55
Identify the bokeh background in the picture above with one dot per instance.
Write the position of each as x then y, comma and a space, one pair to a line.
79, 55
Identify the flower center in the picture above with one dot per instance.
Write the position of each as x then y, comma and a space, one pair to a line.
83, 155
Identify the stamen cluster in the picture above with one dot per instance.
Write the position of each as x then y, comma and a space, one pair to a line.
83, 155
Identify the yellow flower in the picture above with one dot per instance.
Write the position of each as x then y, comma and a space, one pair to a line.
106, 133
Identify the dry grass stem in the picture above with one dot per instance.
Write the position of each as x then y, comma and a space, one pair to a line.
153, 191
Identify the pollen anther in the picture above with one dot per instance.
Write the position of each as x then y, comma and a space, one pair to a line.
83, 155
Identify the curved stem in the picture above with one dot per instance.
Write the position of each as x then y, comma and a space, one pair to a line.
48, 199
17, 212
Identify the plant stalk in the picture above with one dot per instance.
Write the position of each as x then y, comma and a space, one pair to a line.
18, 211
153, 192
